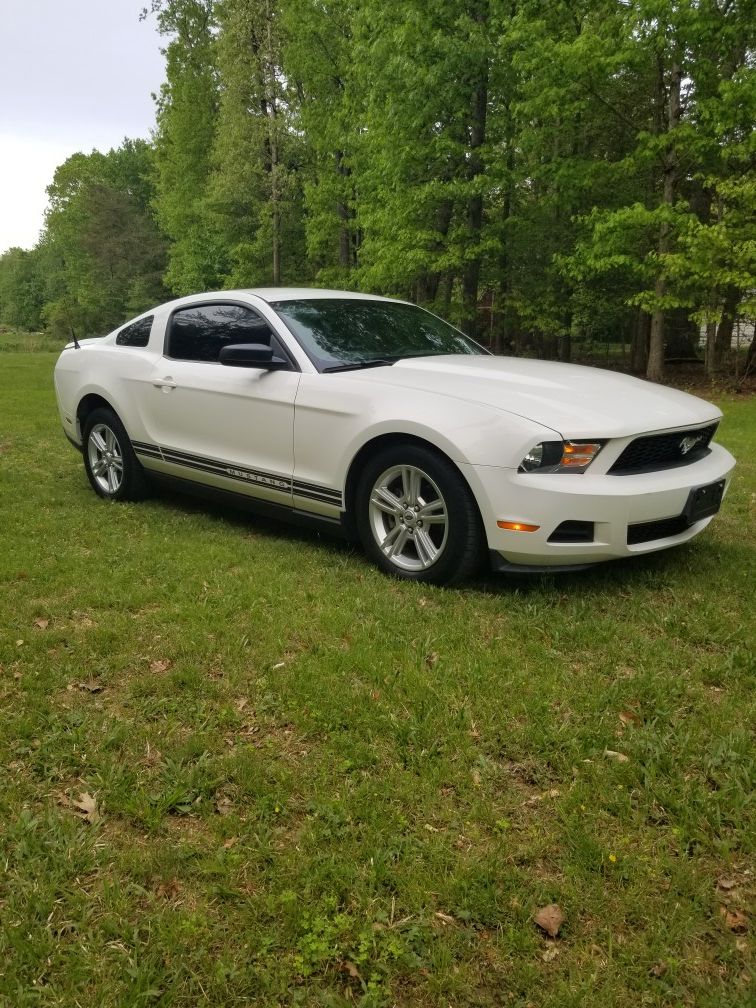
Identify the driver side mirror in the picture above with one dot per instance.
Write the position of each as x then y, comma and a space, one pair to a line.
252, 355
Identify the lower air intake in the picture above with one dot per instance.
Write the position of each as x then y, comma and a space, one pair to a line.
663, 529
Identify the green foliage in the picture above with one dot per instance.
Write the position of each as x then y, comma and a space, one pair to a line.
186, 124
534, 172
21, 289
254, 192
101, 253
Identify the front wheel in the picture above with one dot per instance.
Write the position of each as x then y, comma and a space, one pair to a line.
112, 467
417, 518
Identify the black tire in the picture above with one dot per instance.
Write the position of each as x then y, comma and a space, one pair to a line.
412, 502
113, 470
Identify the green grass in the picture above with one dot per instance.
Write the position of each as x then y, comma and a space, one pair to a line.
19, 341
322, 787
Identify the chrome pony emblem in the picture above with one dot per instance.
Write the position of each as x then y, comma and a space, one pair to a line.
689, 443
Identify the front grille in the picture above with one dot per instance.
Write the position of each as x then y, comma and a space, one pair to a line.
572, 532
662, 529
663, 451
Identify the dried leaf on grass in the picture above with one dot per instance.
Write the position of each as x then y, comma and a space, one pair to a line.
223, 805
90, 686
550, 954
629, 717
168, 890
735, 920
536, 798
726, 884
160, 665
658, 969
85, 806
619, 757
41, 623
445, 918
550, 919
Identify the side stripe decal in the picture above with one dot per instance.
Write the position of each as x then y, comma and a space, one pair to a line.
256, 477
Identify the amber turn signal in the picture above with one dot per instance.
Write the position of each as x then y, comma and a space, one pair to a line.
513, 526
576, 456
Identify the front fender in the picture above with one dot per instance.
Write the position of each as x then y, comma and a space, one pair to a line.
336, 419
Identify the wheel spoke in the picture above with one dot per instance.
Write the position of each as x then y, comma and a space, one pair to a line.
410, 485
112, 479
433, 513
110, 440
399, 541
99, 441
426, 548
386, 501
98, 466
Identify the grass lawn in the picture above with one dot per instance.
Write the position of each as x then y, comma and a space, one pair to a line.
240, 767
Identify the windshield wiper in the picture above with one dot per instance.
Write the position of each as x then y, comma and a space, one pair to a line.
359, 365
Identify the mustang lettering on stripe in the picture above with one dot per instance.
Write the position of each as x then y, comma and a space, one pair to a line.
200, 463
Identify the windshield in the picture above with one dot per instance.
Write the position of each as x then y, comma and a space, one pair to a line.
353, 331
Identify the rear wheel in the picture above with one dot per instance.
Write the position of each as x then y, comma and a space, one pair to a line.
417, 518
112, 467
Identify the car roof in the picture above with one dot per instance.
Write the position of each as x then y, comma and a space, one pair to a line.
273, 294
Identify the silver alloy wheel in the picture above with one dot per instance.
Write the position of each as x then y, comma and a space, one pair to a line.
105, 458
408, 518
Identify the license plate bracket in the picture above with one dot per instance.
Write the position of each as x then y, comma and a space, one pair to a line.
704, 501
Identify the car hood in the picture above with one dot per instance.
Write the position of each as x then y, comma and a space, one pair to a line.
575, 401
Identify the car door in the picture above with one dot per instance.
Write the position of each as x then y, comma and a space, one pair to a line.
230, 427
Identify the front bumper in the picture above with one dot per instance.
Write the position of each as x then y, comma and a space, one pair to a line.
610, 503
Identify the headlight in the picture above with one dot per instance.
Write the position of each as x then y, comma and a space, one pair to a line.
560, 456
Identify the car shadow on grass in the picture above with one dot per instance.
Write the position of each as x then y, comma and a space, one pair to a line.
704, 558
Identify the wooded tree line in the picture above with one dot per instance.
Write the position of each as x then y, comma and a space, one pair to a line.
540, 173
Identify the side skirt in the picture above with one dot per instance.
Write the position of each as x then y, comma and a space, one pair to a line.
336, 527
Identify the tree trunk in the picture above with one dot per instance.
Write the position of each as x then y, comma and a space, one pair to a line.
750, 362
655, 368
346, 259
711, 337
275, 195
502, 333
565, 347
639, 346
477, 133
723, 339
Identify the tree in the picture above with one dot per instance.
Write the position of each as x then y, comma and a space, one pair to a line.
21, 289
682, 59
101, 252
420, 166
325, 110
187, 109
253, 191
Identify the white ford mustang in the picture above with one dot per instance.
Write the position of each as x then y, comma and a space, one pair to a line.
375, 416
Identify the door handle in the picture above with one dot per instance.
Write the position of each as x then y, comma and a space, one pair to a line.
166, 384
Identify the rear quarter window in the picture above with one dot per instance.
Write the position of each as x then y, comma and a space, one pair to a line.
137, 334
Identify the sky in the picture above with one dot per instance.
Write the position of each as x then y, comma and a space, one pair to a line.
75, 75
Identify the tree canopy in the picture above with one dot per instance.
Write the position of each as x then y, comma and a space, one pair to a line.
538, 173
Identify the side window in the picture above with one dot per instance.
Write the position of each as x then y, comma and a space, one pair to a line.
199, 332
137, 334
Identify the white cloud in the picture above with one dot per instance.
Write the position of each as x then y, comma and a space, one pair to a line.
74, 76
26, 168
